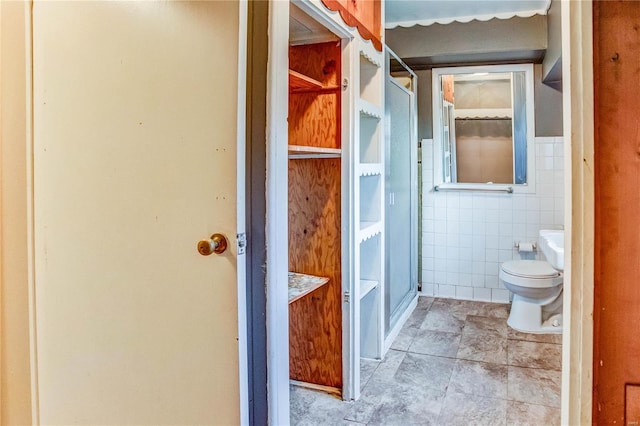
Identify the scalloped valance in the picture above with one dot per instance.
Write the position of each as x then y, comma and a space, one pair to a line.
408, 13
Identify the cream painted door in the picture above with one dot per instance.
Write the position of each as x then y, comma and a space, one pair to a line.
136, 159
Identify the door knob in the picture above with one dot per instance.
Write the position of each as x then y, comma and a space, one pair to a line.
216, 244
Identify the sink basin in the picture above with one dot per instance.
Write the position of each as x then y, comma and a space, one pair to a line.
551, 244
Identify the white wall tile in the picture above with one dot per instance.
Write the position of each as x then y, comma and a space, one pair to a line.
505, 229
466, 253
505, 255
492, 255
479, 228
463, 292
507, 242
447, 291
453, 252
427, 277
466, 236
493, 216
428, 251
466, 267
428, 263
492, 241
428, 225
428, 289
482, 294
464, 279
466, 201
477, 280
466, 241
492, 228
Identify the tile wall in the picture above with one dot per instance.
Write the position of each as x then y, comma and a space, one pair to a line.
467, 235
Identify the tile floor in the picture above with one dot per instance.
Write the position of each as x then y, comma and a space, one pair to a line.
454, 362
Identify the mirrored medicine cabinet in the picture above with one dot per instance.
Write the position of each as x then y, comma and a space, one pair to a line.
483, 128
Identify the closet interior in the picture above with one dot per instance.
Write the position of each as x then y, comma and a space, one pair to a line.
336, 205
315, 206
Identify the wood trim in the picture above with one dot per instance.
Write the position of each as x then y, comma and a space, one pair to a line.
579, 212
1, 221
18, 384
255, 200
277, 217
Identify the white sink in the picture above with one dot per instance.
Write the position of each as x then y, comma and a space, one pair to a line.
551, 244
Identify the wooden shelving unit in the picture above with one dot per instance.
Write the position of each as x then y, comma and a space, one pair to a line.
315, 215
369, 193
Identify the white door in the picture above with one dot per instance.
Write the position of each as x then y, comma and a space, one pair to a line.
136, 131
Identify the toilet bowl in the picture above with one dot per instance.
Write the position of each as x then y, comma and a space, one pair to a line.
537, 294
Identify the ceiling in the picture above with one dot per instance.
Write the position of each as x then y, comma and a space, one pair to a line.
407, 13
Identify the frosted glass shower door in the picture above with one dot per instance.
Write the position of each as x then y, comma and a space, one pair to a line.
401, 190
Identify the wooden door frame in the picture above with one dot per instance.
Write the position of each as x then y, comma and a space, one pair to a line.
17, 365
577, 345
277, 196
577, 34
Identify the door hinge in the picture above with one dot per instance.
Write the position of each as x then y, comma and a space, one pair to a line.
347, 297
242, 243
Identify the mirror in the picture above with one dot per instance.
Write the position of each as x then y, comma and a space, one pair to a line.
483, 125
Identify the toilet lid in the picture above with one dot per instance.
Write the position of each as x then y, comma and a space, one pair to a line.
529, 269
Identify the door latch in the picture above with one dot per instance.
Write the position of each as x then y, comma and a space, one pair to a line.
242, 243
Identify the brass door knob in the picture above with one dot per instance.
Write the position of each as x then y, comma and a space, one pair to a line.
216, 244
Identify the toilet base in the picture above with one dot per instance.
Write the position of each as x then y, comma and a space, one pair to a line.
527, 316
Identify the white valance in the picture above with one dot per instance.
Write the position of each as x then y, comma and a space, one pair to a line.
408, 13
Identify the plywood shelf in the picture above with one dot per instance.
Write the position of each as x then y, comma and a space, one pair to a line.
367, 286
301, 151
302, 284
299, 82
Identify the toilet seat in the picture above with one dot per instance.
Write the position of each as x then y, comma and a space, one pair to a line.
530, 273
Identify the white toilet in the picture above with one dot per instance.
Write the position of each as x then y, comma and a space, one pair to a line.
537, 287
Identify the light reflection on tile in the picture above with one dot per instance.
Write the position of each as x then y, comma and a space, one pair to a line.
485, 348
438, 343
535, 355
466, 410
534, 386
479, 378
